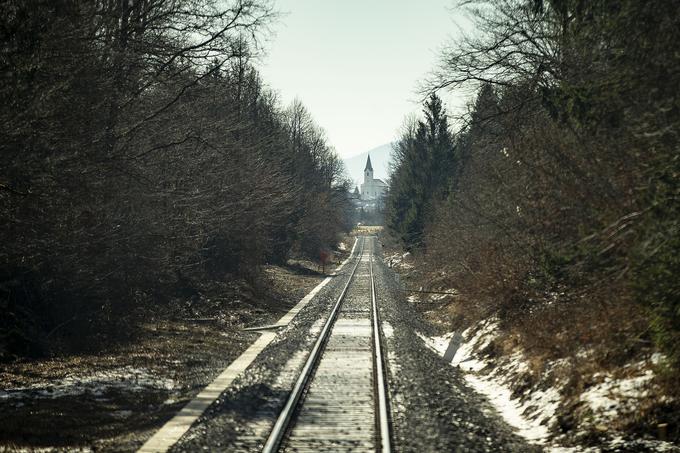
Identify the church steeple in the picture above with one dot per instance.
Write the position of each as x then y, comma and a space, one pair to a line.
368, 171
368, 164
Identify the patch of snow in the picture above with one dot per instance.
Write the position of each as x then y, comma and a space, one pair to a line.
128, 379
449, 292
613, 396
437, 344
651, 445
533, 412
540, 406
657, 358
388, 330
584, 353
398, 261
511, 410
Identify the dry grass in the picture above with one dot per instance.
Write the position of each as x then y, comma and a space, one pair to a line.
592, 329
189, 345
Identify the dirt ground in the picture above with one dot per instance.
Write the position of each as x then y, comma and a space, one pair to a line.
116, 399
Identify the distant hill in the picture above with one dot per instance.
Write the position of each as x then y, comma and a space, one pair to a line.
380, 158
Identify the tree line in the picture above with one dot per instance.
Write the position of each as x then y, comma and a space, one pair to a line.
557, 198
141, 154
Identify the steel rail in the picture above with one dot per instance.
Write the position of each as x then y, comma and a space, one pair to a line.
383, 413
281, 425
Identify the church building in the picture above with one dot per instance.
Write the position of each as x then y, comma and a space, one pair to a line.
371, 189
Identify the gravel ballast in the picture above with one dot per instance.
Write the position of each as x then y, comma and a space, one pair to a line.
432, 407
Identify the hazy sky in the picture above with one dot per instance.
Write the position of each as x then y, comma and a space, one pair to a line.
355, 64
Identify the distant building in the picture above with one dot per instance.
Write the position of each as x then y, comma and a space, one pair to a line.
372, 189
368, 202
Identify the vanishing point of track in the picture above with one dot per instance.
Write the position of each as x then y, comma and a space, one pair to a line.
340, 400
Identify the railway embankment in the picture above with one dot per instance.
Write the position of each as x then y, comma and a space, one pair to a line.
117, 396
564, 394
431, 408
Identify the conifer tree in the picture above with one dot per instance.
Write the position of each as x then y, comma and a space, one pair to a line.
422, 174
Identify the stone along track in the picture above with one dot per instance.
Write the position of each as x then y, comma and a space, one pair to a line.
339, 402
333, 408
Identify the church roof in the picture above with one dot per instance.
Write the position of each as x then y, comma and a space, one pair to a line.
368, 164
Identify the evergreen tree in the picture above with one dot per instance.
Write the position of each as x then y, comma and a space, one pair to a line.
425, 164
439, 142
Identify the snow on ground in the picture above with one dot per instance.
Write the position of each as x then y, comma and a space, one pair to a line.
388, 330
444, 294
398, 261
533, 413
440, 295
613, 396
540, 405
127, 378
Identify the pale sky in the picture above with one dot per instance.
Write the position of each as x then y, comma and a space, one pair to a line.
355, 64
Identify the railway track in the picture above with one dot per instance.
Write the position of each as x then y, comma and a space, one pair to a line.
340, 400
